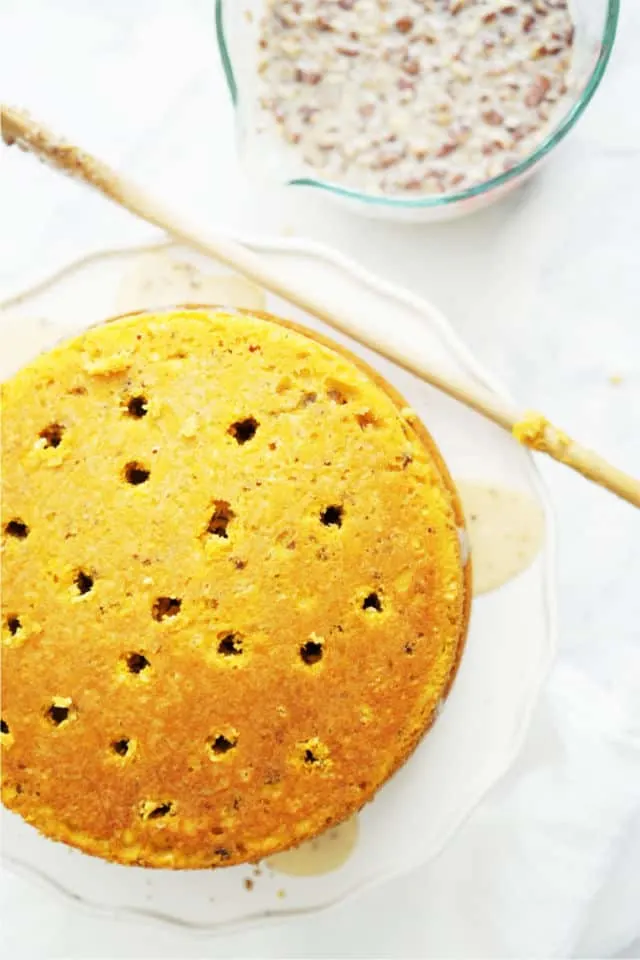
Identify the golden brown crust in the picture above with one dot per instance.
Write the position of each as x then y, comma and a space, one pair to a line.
428, 442
259, 700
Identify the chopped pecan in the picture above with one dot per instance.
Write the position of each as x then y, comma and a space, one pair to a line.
537, 91
312, 77
447, 148
494, 146
324, 25
544, 51
493, 118
386, 160
404, 24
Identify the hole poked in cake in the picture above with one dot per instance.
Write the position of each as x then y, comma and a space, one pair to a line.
373, 602
52, 435
222, 743
123, 750
165, 607
121, 747
60, 711
83, 583
332, 516
312, 754
136, 406
136, 662
230, 645
58, 715
135, 473
6, 737
156, 809
220, 519
312, 651
14, 624
244, 430
17, 528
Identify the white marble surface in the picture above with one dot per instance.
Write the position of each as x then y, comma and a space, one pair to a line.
545, 288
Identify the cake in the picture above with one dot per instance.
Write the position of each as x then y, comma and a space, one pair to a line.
233, 594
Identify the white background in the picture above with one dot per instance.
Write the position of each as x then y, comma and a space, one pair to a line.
545, 288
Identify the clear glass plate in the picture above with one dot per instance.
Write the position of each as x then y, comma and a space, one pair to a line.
510, 646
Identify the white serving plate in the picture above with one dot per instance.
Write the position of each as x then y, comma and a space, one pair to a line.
510, 646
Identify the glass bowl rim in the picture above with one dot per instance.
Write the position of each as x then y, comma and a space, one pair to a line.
557, 134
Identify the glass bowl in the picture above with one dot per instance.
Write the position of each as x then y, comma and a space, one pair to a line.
265, 157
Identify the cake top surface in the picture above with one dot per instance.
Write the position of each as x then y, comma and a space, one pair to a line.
232, 588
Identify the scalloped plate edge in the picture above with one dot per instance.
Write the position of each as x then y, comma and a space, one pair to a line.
495, 770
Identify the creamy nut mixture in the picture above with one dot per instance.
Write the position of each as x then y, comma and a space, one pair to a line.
413, 96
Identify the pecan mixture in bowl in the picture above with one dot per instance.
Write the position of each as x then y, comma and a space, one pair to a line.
413, 96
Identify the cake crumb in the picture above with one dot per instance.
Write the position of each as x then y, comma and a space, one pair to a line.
106, 366
189, 428
248, 883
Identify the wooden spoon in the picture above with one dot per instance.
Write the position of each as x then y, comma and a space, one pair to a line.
531, 429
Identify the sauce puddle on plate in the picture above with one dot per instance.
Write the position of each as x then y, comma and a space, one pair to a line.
157, 280
506, 531
323, 854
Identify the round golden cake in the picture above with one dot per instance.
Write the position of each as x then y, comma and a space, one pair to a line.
233, 593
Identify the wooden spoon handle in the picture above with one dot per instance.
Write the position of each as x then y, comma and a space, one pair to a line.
532, 430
